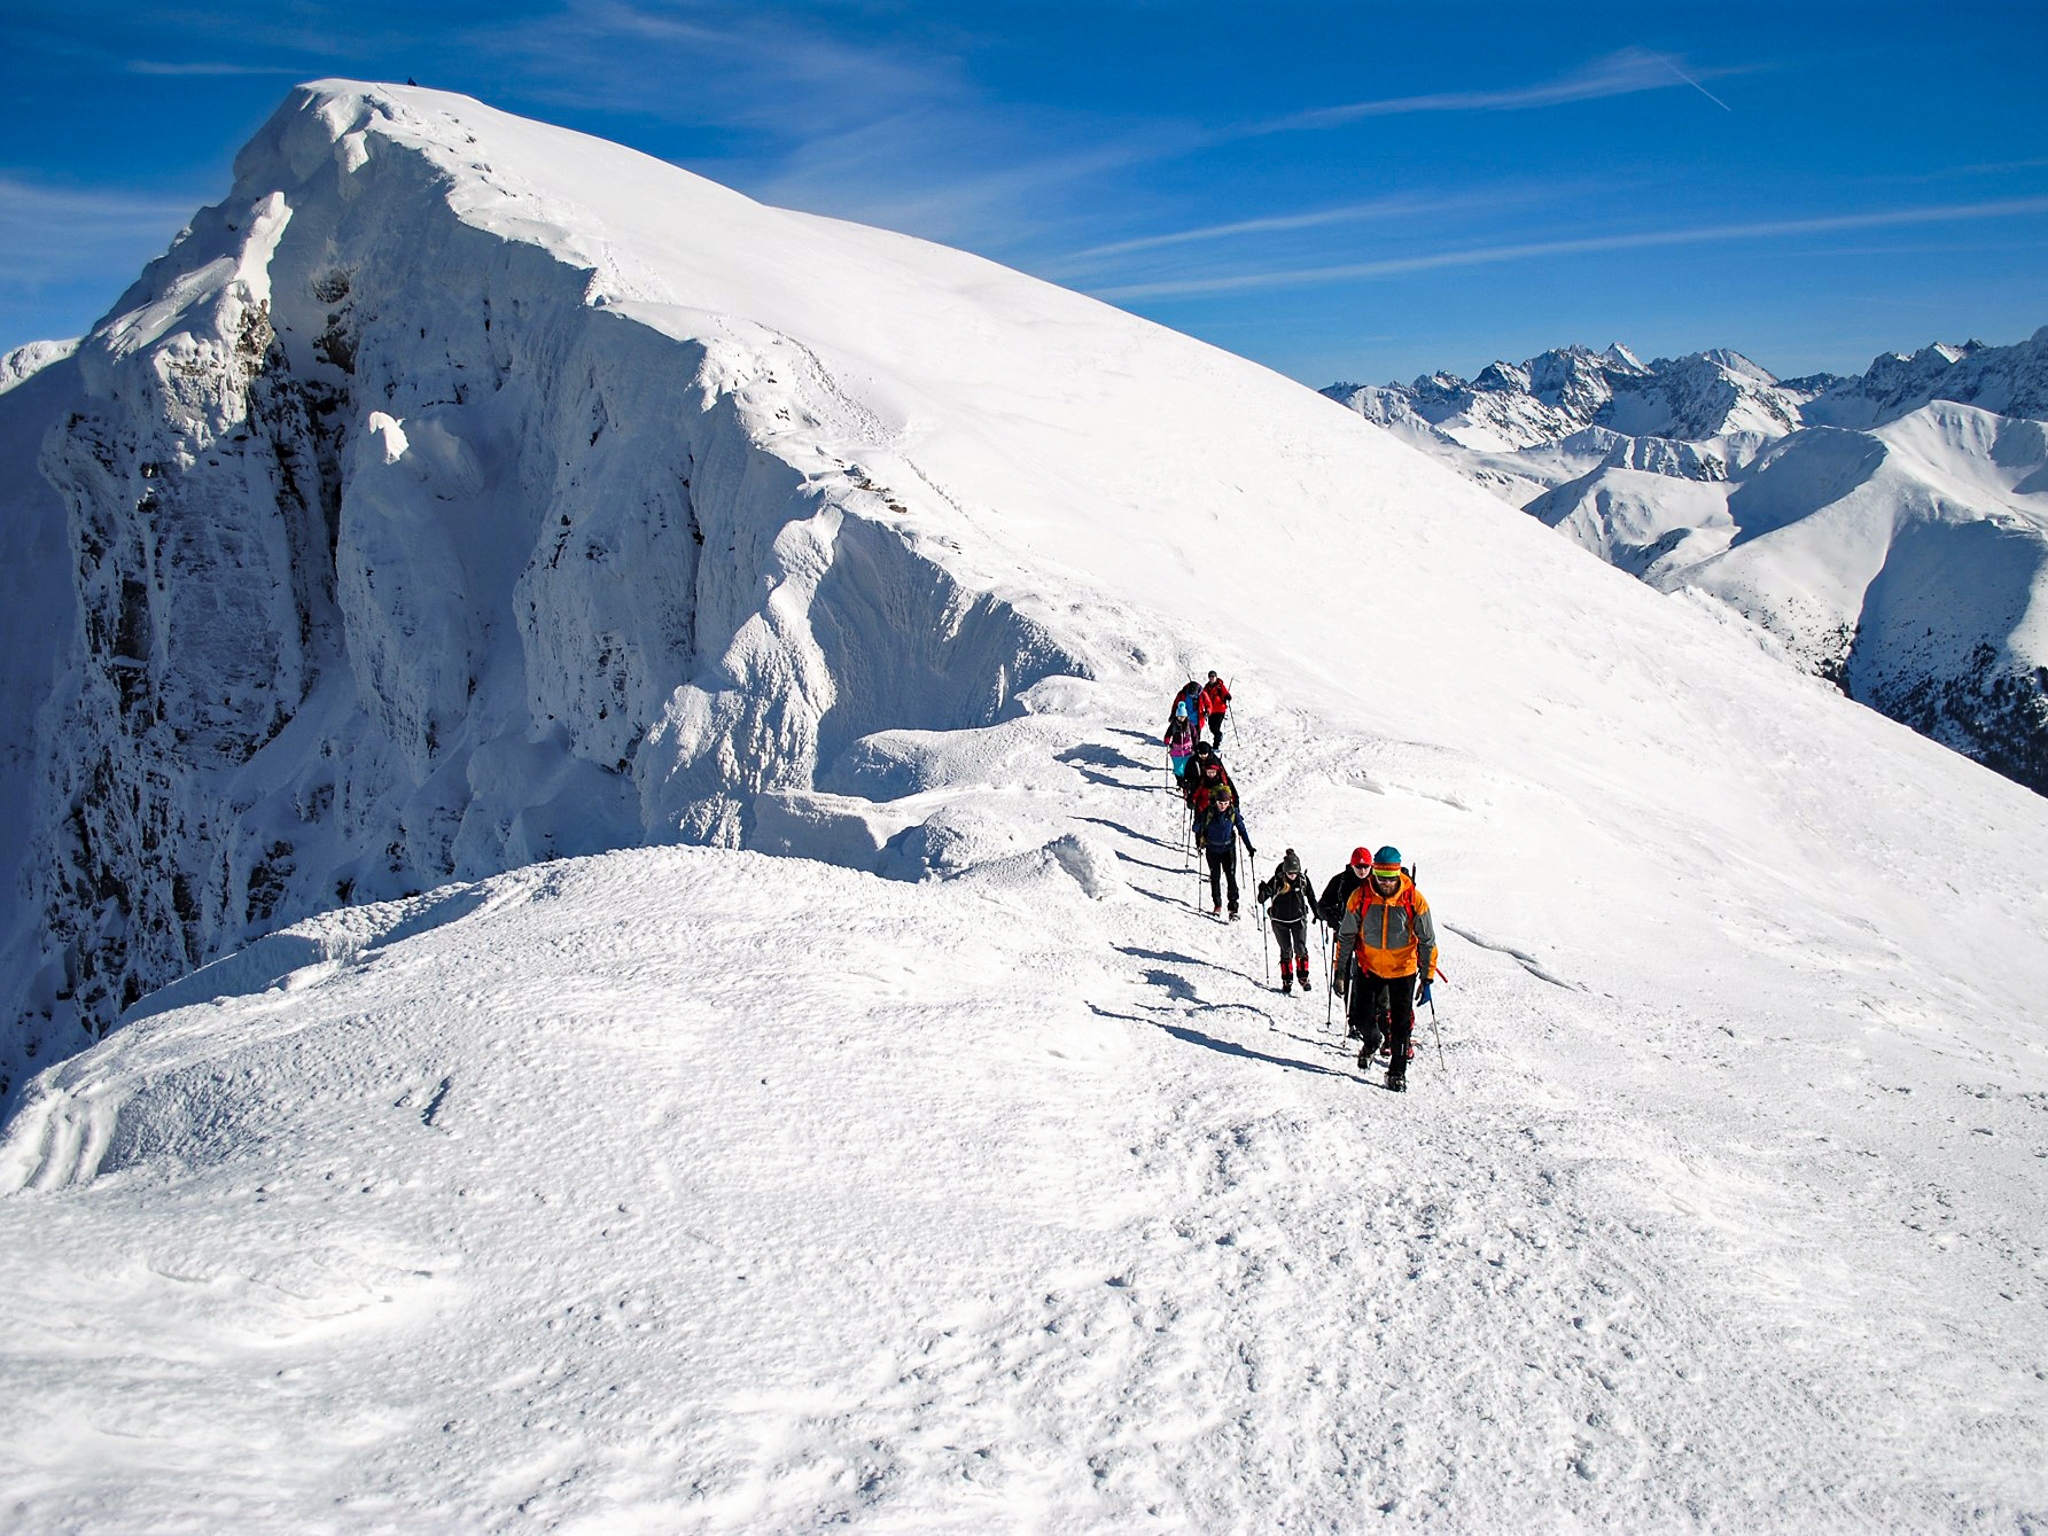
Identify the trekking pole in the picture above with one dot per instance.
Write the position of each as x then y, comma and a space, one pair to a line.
1265, 966
1440, 1058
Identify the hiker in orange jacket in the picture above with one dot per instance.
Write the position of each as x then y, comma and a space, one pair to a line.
1386, 945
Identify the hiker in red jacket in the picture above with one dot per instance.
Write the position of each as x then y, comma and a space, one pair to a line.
1215, 703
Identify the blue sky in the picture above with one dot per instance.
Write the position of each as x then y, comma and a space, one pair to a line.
1360, 191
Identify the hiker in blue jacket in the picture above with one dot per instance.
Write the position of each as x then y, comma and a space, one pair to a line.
1218, 826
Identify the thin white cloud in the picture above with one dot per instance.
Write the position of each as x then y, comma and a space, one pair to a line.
725, 66
1625, 73
23, 202
1490, 255
1491, 199
48, 233
176, 68
1350, 213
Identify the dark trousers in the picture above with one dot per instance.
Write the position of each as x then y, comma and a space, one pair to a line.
1381, 1009
1216, 730
1222, 866
1292, 937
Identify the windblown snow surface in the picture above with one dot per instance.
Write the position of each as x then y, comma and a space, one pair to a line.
706, 1188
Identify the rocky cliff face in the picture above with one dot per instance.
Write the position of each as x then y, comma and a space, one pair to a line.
387, 553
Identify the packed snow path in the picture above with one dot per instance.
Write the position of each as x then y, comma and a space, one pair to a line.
692, 1190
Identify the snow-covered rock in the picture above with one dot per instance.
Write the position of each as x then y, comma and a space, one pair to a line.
25, 362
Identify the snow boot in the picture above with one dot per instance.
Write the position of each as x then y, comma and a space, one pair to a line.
1287, 986
1302, 976
1397, 1080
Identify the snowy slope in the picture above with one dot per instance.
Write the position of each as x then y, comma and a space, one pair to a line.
475, 1209
679, 1190
578, 1203
1908, 563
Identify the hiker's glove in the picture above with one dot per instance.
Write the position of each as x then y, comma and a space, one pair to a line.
1422, 997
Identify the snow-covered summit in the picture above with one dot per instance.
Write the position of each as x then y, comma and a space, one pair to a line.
2012, 381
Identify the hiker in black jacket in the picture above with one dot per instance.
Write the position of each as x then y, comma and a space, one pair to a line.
1330, 905
1290, 904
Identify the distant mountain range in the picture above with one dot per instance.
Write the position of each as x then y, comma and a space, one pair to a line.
1889, 529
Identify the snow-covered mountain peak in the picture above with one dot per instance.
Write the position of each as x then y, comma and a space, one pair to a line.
1536, 404
1619, 357
1793, 501
463, 502
1734, 362
1502, 377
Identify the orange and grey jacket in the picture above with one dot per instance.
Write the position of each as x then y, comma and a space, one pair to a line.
1391, 935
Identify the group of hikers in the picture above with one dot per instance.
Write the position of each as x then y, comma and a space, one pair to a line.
1383, 944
